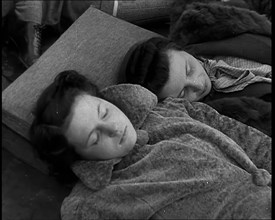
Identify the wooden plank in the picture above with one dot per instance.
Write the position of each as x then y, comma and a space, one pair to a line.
5, 83
21, 149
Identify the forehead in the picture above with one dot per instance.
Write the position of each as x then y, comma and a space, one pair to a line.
83, 105
177, 66
84, 102
78, 124
176, 57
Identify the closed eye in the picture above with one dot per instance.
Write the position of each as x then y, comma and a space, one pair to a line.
102, 112
94, 138
181, 94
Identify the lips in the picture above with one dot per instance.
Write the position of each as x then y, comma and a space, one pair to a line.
203, 90
123, 135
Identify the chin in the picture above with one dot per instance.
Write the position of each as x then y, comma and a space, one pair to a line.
130, 146
203, 94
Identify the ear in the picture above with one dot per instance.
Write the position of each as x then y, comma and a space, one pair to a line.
134, 100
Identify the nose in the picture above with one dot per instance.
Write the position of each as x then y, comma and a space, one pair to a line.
110, 128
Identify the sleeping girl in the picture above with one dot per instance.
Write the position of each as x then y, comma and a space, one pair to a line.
134, 158
235, 87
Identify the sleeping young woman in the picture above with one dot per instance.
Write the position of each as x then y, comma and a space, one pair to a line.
235, 87
135, 158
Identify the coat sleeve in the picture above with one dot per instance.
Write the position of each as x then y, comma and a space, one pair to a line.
256, 144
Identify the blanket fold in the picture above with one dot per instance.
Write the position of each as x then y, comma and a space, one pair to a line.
202, 21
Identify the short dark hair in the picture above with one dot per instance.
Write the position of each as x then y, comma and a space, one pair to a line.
51, 110
148, 63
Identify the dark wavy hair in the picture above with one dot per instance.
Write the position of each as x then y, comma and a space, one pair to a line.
51, 110
148, 63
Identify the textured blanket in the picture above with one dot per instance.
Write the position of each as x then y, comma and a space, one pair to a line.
189, 163
201, 21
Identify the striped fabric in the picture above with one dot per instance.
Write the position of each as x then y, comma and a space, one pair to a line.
230, 74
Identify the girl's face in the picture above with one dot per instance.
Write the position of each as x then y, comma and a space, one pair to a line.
98, 129
187, 77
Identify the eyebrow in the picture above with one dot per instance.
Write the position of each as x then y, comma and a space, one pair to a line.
98, 109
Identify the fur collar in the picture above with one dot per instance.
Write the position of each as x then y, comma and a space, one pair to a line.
201, 22
136, 105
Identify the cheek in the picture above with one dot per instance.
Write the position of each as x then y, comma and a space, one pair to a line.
132, 136
101, 152
175, 88
201, 76
203, 73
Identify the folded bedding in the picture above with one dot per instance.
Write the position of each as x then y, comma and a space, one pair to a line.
189, 162
223, 28
243, 46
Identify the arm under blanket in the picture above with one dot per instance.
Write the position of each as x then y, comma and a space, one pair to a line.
256, 144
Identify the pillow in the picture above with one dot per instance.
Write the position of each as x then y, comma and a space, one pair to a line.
93, 46
137, 12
